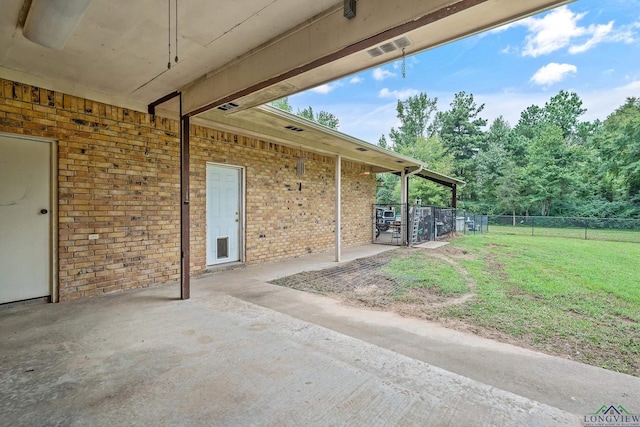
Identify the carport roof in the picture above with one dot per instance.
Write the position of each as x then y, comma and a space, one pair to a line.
294, 131
245, 52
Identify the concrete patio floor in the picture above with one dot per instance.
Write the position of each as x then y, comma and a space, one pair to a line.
243, 352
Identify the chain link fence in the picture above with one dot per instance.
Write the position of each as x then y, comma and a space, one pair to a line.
398, 224
611, 229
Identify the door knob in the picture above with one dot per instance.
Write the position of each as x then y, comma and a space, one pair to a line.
44, 211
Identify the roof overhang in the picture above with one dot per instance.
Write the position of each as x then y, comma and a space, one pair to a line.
436, 177
272, 124
249, 52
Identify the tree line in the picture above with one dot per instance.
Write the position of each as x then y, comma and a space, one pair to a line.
550, 163
322, 117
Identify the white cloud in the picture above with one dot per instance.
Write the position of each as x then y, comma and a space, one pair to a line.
560, 29
324, 89
598, 33
553, 73
356, 80
631, 87
381, 74
509, 49
397, 94
551, 32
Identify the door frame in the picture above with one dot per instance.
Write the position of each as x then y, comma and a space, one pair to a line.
53, 203
242, 206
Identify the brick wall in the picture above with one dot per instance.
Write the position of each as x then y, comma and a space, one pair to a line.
119, 177
286, 215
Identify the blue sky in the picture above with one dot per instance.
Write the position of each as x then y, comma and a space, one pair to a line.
590, 47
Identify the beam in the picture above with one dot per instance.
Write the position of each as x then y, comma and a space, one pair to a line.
315, 52
151, 108
325, 40
185, 219
432, 179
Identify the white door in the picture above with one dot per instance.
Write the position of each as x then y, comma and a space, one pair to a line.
223, 214
25, 210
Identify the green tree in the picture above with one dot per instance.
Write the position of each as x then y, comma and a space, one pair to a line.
508, 190
550, 170
563, 111
431, 152
490, 167
323, 117
327, 119
619, 145
415, 116
460, 129
283, 104
389, 192
530, 120
307, 113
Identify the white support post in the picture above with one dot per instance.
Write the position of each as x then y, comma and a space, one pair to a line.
338, 206
403, 208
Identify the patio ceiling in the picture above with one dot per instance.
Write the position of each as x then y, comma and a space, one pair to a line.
245, 51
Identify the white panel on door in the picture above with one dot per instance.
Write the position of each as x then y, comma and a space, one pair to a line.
25, 210
223, 214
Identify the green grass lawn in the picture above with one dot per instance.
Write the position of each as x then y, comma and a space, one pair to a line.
419, 271
577, 233
575, 297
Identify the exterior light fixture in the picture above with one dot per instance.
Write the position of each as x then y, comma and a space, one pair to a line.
350, 9
300, 165
50, 23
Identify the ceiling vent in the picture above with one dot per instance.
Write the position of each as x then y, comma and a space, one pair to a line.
402, 42
376, 51
388, 47
228, 106
361, 149
293, 128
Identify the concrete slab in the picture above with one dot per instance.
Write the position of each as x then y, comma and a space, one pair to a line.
431, 245
145, 358
554, 381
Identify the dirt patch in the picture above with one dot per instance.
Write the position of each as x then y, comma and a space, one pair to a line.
455, 252
364, 282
